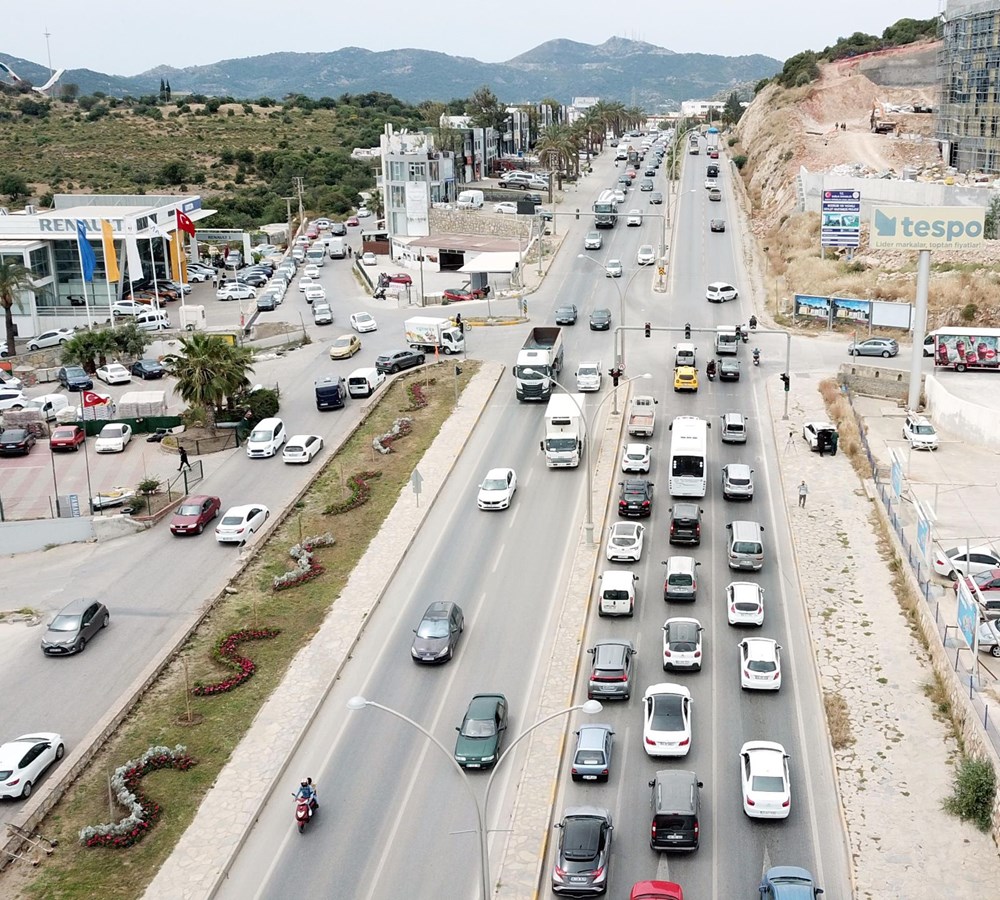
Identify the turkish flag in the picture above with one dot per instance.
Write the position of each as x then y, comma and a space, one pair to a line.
92, 399
185, 224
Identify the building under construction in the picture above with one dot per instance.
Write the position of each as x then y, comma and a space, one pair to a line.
968, 121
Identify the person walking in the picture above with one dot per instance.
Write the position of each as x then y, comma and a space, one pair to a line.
349, 251
184, 459
803, 493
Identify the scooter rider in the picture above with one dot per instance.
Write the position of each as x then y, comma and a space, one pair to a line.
308, 793
710, 368
753, 321
756, 356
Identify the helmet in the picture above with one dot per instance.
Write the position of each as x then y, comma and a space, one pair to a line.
305, 784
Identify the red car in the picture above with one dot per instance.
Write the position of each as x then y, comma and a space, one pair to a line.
352, 222
656, 890
988, 583
632, 174
457, 294
67, 437
400, 278
194, 513
713, 154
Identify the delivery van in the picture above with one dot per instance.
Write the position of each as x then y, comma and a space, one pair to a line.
364, 382
617, 593
470, 200
153, 320
267, 438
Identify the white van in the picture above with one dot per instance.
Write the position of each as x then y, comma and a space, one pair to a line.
684, 355
338, 249
153, 320
470, 200
364, 382
49, 405
617, 593
267, 438
316, 254
746, 545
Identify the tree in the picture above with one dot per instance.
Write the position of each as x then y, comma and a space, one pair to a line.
561, 141
733, 109
211, 371
14, 186
484, 110
14, 279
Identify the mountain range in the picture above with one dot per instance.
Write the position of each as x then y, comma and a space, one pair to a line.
633, 72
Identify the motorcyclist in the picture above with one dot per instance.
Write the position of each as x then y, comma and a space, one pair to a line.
756, 356
710, 368
307, 792
753, 321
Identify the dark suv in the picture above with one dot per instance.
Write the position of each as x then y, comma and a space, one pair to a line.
636, 498
611, 675
73, 378
390, 363
685, 523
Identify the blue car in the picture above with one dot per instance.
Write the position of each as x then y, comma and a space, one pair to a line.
788, 883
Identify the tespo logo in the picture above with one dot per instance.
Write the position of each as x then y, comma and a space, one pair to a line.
926, 228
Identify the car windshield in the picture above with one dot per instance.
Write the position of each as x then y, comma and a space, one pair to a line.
262, 434
433, 628
363, 319
189, 509
111, 431
340, 342
65, 623
495, 484
588, 370
923, 429
562, 443
479, 728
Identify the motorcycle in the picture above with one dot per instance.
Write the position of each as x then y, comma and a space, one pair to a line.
756, 356
753, 322
304, 810
710, 371
744, 334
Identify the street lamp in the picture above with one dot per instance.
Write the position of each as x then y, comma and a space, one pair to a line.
590, 707
619, 351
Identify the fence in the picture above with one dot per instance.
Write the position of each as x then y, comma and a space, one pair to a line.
176, 488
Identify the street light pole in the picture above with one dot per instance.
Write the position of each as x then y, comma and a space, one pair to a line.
620, 336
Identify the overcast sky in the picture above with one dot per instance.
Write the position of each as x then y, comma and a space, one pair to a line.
128, 38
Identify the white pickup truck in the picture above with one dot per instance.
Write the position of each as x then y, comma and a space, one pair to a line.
642, 416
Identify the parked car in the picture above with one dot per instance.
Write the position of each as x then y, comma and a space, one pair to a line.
390, 363
400, 278
884, 347
301, 448
919, 432
25, 759
583, 852
148, 368
67, 437
114, 438
482, 732
232, 290
194, 513
965, 560
114, 373
456, 295
506, 208
436, 638
78, 622
129, 308
240, 523
16, 442
53, 338
73, 378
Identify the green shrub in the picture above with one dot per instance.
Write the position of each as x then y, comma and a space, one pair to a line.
968, 312
733, 141
740, 160
974, 791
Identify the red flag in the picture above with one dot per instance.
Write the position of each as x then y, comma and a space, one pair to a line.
184, 224
90, 398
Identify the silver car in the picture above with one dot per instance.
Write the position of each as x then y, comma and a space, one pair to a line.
737, 482
593, 241
884, 347
592, 760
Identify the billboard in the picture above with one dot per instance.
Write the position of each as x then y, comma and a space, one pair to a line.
840, 219
845, 310
968, 613
927, 227
813, 307
417, 203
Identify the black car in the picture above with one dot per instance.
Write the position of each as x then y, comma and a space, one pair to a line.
566, 315
636, 497
73, 378
338, 229
581, 865
718, 225
685, 523
436, 637
729, 370
75, 624
390, 363
253, 278
625, 180
16, 442
600, 320
650, 171
536, 199
147, 368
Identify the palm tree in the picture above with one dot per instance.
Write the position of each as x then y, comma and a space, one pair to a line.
210, 371
15, 278
560, 140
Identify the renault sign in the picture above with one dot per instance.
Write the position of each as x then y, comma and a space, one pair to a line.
927, 228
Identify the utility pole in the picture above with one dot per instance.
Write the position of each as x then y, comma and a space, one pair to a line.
297, 183
288, 206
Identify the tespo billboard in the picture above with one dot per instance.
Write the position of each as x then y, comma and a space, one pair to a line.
927, 228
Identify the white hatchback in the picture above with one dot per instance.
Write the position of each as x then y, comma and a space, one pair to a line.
682, 645
362, 322
301, 448
760, 664
767, 788
745, 603
625, 540
635, 458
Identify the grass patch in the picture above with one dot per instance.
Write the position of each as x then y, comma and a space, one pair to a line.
838, 720
162, 716
973, 793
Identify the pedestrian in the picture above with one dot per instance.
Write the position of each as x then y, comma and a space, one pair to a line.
184, 459
803, 493
349, 251
834, 440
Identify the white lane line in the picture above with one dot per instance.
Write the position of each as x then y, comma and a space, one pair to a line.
496, 562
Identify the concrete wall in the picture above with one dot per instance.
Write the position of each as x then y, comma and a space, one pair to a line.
916, 70
977, 424
874, 381
27, 535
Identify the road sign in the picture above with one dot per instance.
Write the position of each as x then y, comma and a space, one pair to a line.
841, 219
927, 228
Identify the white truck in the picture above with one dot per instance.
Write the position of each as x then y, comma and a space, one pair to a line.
539, 359
642, 416
338, 249
727, 341
565, 431
588, 376
427, 334
193, 318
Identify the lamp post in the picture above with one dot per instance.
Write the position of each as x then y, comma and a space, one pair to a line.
591, 707
619, 351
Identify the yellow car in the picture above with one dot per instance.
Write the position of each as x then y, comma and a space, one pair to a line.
685, 378
345, 346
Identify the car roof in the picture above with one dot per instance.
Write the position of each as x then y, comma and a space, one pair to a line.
77, 605
439, 609
667, 688
761, 648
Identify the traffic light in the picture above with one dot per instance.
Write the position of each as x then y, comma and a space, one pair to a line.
687, 331
615, 374
578, 213
647, 329
786, 380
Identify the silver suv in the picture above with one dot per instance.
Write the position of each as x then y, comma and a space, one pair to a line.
593, 241
734, 428
737, 482
611, 675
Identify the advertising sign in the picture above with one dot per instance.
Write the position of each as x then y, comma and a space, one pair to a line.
967, 351
840, 219
968, 613
896, 474
923, 532
927, 228
814, 307
852, 310
417, 220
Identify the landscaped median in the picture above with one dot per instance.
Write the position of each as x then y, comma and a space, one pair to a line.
205, 700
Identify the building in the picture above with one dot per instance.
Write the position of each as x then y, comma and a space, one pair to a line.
481, 148
699, 108
414, 176
968, 122
578, 108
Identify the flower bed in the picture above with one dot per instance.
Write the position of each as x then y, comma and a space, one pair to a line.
415, 391
225, 653
306, 567
360, 492
400, 428
143, 811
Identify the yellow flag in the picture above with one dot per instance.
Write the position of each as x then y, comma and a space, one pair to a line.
175, 269
110, 257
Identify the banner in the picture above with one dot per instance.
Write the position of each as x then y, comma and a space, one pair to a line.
87, 258
132, 258
110, 256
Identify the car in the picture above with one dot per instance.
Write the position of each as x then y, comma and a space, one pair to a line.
633, 218
239, 523
594, 749
745, 603
988, 584
14, 398
148, 368
600, 319
196, 276
717, 225
67, 437
589, 377
24, 760
666, 729
988, 637
436, 637
625, 541
619, 195
74, 378
352, 222
253, 278
53, 338
767, 789
315, 293
303, 240
720, 292
760, 664
645, 255
583, 852
457, 295
728, 369
129, 308
682, 646
593, 240
506, 208
734, 428
646, 184
651, 169
919, 432
625, 180
368, 259
482, 732
656, 890
884, 347
656, 198
267, 302
632, 174
788, 882
390, 363
363, 322
194, 513
713, 154
711, 183
636, 458
685, 378
16, 442
312, 271
113, 438
338, 229
635, 498
535, 199
497, 489
305, 282
737, 482
233, 290
715, 194
74, 625
516, 180
345, 346
201, 268
965, 560
613, 269
685, 523
400, 278
818, 435
566, 315
114, 373
301, 448
364, 212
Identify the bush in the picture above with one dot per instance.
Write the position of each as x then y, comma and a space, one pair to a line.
968, 312
740, 160
974, 791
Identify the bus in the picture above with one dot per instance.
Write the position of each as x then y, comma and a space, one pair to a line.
964, 348
606, 210
688, 449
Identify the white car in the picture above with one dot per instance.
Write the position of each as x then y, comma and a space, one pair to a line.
301, 448
666, 728
635, 458
114, 373
24, 760
196, 276
303, 240
767, 789
760, 664
363, 212
811, 432
241, 522
588, 376
625, 541
613, 269
645, 256
312, 271
53, 338
619, 195
965, 560
113, 438
362, 322
129, 308
369, 259
497, 489
682, 646
306, 282
322, 314
200, 269
235, 291
323, 223
711, 183
919, 432
745, 603
506, 208
720, 292
315, 294
634, 217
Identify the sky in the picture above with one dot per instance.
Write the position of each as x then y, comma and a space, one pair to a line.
129, 38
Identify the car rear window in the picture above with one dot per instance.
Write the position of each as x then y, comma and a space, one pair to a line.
746, 547
773, 784
681, 580
589, 758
